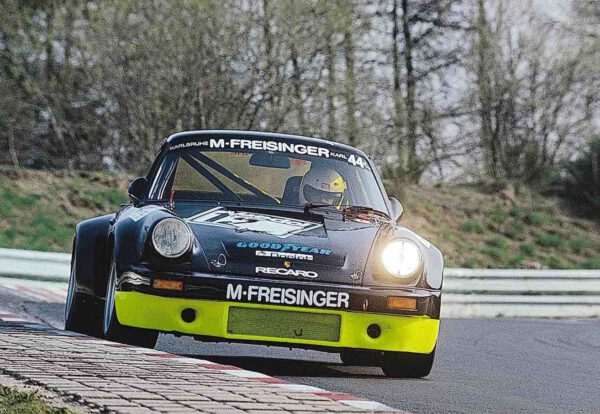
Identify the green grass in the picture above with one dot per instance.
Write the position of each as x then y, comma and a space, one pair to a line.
499, 242
516, 261
527, 249
550, 240
470, 263
592, 263
39, 210
518, 212
472, 227
17, 402
515, 230
555, 262
498, 215
579, 244
495, 252
538, 218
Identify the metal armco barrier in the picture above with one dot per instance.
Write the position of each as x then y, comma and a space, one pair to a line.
522, 293
28, 264
467, 293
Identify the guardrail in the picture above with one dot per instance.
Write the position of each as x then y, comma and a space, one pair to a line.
521, 293
467, 292
28, 264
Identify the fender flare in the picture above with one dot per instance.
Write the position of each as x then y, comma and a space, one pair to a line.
90, 252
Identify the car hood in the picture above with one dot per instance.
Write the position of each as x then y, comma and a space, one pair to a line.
288, 245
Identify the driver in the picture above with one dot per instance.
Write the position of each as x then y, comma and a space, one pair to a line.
323, 185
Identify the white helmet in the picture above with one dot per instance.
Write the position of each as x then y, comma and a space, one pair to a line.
322, 185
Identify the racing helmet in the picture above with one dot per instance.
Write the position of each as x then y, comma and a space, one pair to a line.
323, 185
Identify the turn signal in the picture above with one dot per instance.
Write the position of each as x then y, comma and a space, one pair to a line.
397, 302
167, 284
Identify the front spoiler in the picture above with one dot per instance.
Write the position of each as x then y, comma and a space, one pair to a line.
399, 333
219, 287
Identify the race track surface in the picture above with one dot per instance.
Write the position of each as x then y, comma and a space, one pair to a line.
482, 366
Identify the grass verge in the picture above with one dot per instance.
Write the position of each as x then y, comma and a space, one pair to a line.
18, 402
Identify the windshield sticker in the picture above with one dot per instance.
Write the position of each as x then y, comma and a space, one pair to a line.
277, 226
253, 144
288, 296
274, 146
283, 247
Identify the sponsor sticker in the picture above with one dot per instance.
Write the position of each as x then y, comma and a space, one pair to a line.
283, 247
284, 255
257, 222
286, 272
139, 214
288, 296
255, 144
274, 146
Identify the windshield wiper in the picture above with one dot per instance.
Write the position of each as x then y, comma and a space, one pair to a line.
349, 211
356, 210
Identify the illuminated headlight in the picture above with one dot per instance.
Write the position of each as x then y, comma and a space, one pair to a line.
401, 258
171, 237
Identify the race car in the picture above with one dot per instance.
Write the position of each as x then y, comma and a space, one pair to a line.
262, 238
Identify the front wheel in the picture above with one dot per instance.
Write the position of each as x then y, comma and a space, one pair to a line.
83, 313
407, 364
112, 329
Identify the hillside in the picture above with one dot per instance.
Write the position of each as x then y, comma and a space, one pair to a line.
39, 210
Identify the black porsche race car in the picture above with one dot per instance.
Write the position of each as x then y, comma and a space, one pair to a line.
262, 238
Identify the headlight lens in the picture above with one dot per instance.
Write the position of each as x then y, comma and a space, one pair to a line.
171, 237
401, 258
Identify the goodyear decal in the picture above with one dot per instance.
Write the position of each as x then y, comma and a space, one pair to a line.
283, 248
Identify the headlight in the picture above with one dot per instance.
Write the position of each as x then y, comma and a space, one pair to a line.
171, 237
401, 258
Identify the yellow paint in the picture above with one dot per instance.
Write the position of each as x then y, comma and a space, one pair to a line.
398, 333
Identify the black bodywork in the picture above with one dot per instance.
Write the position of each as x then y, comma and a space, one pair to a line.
345, 250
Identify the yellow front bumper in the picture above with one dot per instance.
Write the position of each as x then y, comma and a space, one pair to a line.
398, 333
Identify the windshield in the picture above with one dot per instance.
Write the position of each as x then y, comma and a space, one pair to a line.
266, 171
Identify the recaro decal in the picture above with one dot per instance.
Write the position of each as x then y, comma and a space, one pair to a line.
286, 272
257, 222
288, 296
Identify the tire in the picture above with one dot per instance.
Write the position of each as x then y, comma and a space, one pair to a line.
360, 357
83, 313
111, 327
407, 364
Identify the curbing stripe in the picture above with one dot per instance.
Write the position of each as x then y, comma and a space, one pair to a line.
337, 397
343, 398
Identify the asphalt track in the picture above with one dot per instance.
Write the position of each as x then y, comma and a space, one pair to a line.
482, 366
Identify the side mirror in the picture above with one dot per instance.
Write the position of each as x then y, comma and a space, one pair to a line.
137, 188
397, 209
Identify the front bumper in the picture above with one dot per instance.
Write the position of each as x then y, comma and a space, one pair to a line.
212, 298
